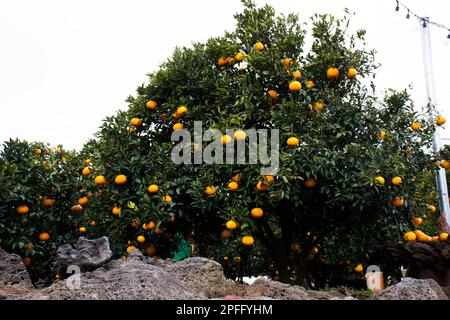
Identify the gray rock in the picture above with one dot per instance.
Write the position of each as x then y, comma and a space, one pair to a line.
86, 254
13, 271
327, 295
201, 275
413, 289
276, 290
132, 279
446, 291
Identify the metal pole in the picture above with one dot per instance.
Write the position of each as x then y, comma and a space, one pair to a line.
441, 180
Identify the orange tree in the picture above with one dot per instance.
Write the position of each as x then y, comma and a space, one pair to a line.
350, 165
39, 188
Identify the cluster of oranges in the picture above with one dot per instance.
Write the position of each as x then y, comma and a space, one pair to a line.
395, 181
421, 236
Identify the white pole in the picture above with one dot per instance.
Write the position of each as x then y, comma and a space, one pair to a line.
441, 180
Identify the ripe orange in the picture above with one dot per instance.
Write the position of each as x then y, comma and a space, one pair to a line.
83, 201
140, 239
310, 183
29, 246
210, 190
48, 202
431, 208
443, 236
176, 115
398, 202
440, 120
233, 186
151, 250
332, 73
151, 104
167, 198
247, 240
116, 211
352, 73
177, 126
231, 224
261, 186
445, 164
297, 74
44, 236
318, 106
396, 181
417, 221
295, 86
229, 60
236, 178
76, 208
22, 209
151, 225
287, 62
416, 126
182, 110
82, 229
100, 180
421, 236
120, 179
221, 61
269, 179
136, 122
359, 268
225, 139
293, 142
239, 135
379, 180
382, 134
273, 94
257, 213
409, 236
93, 223
26, 261
310, 84
153, 188
225, 234
37, 151
130, 248
315, 250
259, 46
172, 218
86, 171
239, 57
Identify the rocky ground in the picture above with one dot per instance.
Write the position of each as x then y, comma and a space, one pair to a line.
139, 278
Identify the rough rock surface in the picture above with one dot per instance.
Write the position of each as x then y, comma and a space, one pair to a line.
132, 279
200, 275
276, 290
86, 254
13, 271
141, 278
413, 289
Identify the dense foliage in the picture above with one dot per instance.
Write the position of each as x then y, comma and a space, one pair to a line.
329, 208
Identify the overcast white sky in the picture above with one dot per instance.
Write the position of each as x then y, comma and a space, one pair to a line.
65, 64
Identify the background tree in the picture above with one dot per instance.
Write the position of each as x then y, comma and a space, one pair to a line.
325, 202
354, 169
